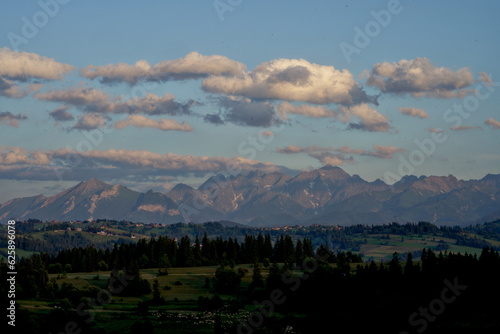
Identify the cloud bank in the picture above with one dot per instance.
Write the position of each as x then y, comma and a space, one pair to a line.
192, 66
291, 80
95, 100
140, 121
420, 78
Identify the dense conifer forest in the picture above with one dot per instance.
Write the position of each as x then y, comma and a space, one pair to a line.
285, 282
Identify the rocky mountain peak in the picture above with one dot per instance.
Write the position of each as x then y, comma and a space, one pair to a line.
90, 186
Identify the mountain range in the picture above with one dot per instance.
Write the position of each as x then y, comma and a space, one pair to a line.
326, 196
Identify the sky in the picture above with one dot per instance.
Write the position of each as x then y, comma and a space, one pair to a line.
154, 93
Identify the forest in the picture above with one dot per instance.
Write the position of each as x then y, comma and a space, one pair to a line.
36, 236
259, 285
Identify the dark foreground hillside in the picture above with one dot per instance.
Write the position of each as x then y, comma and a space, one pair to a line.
308, 293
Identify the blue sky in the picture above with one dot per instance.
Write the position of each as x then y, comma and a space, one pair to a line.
152, 93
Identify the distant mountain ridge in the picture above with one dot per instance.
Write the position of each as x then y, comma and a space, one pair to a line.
327, 195
95, 199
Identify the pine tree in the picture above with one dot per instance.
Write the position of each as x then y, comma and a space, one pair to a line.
395, 266
257, 279
157, 298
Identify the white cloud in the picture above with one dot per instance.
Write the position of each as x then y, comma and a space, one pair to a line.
140, 121
18, 70
291, 80
420, 78
192, 66
334, 159
370, 119
19, 155
23, 66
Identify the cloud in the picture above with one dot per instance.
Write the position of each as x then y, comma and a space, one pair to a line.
434, 130
485, 78
307, 110
492, 122
19, 155
9, 119
291, 80
347, 149
267, 133
69, 164
214, 119
61, 114
318, 152
140, 121
245, 112
95, 100
9, 88
90, 121
192, 66
414, 112
384, 152
420, 78
334, 159
24, 66
290, 149
462, 128
370, 119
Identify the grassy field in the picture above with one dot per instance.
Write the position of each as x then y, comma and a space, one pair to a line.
93, 237
378, 248
179, 315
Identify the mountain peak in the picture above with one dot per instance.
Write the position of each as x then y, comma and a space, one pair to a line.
334, 172
93, 181
330, 167
92, 185
328, 172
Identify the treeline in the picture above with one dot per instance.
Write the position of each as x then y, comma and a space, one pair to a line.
164, 252
442, 293
490, 230
53, 243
